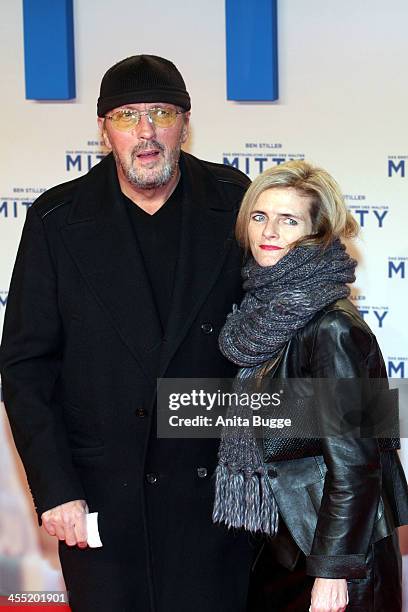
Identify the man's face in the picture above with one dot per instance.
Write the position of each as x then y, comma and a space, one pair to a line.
146, 156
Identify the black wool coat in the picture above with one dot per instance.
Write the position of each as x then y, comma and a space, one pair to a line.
81, 351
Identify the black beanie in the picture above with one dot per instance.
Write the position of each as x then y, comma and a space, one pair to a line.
142, 78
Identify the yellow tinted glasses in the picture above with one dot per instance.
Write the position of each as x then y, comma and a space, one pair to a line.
127, 118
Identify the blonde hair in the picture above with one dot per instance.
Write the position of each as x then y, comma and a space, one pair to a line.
328, 212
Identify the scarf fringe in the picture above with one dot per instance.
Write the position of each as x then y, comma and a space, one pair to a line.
252, 503
244, 501
269, 511
221, 478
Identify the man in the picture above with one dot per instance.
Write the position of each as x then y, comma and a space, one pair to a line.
123, 276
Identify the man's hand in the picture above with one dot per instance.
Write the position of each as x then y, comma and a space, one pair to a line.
67, 522
329, 595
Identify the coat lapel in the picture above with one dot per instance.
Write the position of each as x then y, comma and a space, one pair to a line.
208, 221
101, 241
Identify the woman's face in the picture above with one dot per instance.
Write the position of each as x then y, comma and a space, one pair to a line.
279, 217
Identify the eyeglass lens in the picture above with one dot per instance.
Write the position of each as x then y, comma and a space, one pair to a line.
126, 119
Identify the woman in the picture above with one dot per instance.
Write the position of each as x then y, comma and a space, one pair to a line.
331, 504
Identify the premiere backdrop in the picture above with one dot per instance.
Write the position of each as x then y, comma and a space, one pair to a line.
342, 104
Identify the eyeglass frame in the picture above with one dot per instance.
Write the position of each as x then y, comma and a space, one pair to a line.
146, 113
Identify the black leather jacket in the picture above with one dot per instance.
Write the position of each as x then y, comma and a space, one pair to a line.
336, 504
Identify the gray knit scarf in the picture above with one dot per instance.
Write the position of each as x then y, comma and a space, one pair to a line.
279, 301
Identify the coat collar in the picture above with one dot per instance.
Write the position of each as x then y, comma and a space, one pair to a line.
100, 239
99, 236
206, 236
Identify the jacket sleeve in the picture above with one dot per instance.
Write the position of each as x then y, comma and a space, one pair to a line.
353, 480
30, 361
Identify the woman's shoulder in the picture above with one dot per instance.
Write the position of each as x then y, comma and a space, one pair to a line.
339, 326
340, 316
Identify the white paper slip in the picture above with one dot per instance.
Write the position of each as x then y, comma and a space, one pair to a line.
94, 540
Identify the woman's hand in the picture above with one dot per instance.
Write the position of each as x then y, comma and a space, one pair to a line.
329, 595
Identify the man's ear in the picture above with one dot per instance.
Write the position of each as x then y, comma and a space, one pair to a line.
104, 133
186, 127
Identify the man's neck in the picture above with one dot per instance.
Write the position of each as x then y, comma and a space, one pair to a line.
149, 200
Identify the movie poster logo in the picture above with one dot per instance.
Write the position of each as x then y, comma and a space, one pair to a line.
82, 160
258, 156
375, 316
367, 214
15, 206
397, 166
397, 267
397, 366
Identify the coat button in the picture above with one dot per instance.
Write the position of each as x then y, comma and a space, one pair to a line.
207, 328
140, 412
151, 478
202, 472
